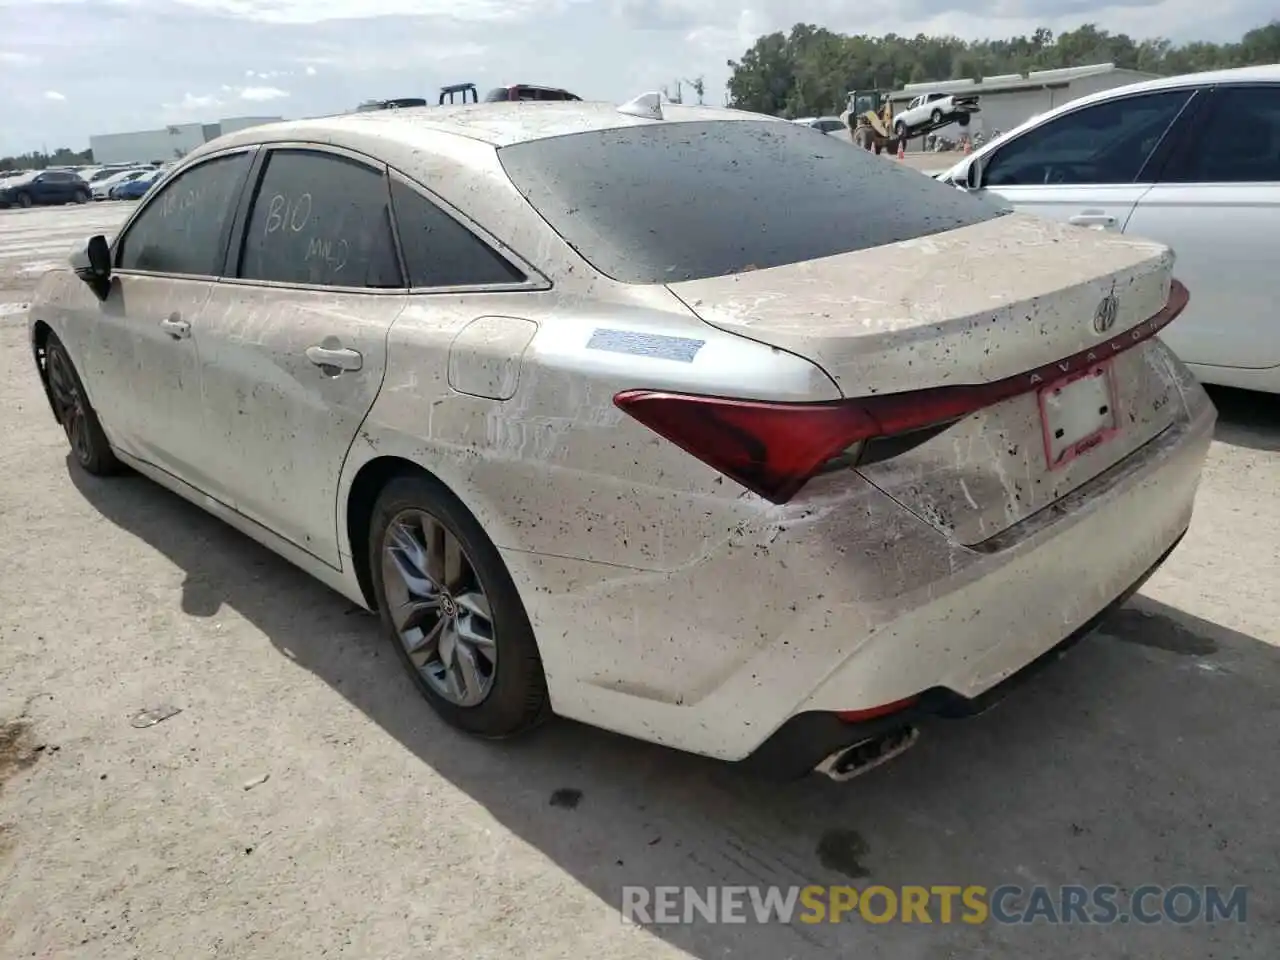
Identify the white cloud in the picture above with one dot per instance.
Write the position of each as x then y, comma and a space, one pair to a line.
55, 96
263, 93
142, 64
319, 11
192, 102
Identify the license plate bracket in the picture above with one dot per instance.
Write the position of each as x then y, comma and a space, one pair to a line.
1078, 413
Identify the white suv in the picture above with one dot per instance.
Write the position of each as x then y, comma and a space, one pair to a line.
1190, 161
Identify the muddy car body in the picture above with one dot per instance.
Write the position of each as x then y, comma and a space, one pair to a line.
758, 479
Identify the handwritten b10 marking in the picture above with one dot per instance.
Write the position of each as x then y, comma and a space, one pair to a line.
282, 212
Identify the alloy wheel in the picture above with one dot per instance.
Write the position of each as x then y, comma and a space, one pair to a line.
438, 607
69, 405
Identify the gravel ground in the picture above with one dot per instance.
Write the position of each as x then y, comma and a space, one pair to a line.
305, 803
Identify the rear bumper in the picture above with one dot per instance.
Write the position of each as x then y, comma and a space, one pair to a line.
808, 738
846, 602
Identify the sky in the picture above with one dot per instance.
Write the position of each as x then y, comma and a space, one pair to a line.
72, 68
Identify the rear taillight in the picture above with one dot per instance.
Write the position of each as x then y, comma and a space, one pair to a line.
773, 449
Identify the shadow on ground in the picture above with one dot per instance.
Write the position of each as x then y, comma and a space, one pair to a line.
1247, 418
1147, 755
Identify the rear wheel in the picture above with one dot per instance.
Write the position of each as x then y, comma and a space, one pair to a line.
82, 196
452, 611
79, 421
963, 119
936, 117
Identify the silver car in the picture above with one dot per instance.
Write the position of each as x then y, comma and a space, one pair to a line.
675, 420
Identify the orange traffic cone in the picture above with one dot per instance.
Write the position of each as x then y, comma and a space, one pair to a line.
902, 150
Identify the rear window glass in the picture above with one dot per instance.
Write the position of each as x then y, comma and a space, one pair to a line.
661, 203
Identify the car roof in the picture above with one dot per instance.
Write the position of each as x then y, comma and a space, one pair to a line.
1266, 74
498, 124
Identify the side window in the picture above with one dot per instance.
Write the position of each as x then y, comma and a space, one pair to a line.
181, 230
1238, 141
439, 251
320, 219
1107, 142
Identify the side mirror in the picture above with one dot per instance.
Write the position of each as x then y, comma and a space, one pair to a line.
93, 265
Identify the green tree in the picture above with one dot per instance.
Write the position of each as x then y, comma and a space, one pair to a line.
62, 157
809, 70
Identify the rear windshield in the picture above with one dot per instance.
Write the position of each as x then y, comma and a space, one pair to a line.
661, 203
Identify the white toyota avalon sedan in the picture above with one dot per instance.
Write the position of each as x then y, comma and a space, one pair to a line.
675, 420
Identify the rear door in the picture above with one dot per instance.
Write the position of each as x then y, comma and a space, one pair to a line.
1218, 205
1089, 166
293, 341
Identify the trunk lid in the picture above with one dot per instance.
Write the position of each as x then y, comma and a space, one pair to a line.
974, 305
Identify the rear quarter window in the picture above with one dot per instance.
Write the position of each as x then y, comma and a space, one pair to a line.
668, 202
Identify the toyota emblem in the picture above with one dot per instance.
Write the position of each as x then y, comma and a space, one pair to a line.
1104, 318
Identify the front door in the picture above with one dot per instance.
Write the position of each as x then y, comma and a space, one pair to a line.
293, 344
1088, 166
147, 332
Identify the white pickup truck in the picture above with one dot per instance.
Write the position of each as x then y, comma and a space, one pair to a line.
929, 111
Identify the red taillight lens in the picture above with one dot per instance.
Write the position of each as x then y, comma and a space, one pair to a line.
769, 448
774, 448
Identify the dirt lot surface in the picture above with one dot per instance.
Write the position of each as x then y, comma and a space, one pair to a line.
305, 803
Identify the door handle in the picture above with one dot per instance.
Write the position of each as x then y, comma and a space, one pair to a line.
340, 358
1093, 220
176, 327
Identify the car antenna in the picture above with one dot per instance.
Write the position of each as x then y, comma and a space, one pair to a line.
647, 105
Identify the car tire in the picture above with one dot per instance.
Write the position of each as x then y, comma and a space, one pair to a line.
89, 444
83, 196
493, 689
24, 199
900, 129
936, 116
963, 119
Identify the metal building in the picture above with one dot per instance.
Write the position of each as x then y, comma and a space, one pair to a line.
1010, 99
166, 143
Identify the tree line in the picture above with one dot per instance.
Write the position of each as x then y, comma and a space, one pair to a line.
809, 71
37, 160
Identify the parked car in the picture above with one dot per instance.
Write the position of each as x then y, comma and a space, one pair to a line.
528, 91
102, 189
1192, 162
824, 124
135, 188
111, 170
704, 430
42, 188
396, 103
933, 110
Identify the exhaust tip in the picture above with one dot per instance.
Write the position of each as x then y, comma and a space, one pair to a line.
856, 759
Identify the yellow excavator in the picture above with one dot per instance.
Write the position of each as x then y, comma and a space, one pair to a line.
869, 118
